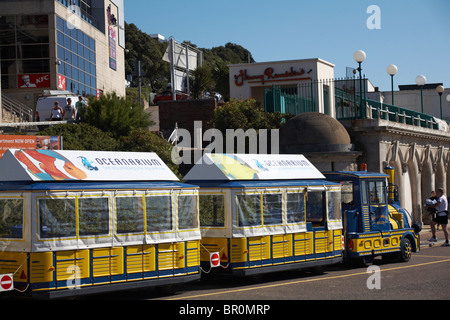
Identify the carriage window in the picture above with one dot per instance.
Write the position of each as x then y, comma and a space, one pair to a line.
187, 212
334, 206
377, 192
315, 208
295, 207
248, 209
11, 218
159, 213
212, 210
347, 192
93, 216
129, 215
57, 218
272, 208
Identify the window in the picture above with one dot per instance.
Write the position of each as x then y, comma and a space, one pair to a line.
272, 208
377, 192
11, 218
57, 218
187, 212
159, 213
93, 216
212, 210
334, 205
315, 207
295, 207
347, 192
248, 209
129, 215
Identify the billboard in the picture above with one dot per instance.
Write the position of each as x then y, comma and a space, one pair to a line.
29, 142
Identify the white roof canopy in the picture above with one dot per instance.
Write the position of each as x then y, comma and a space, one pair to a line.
215, 166
49, 165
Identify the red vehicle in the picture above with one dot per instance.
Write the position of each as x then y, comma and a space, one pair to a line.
168, 95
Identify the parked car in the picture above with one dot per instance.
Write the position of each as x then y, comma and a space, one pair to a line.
168, 95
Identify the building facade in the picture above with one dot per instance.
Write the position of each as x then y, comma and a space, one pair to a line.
274, 84
61, 45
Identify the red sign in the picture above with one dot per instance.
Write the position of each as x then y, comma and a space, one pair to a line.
214, 259
269, 75
61, 82
28, 142
6, 282
34, 80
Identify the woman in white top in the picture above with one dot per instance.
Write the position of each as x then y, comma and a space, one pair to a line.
57, 113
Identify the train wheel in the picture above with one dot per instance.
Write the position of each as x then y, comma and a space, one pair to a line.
405, 251
366, 261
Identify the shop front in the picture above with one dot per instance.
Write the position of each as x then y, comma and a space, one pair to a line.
293, 86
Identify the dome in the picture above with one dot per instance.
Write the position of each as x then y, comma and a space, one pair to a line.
314, 132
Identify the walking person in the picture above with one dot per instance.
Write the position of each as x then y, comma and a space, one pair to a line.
69, 111
57, 112
441, 216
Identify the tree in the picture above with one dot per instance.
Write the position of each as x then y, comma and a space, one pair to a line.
140, 140
201, 81
82, 137
118, 116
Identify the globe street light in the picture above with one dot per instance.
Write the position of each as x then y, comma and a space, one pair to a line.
440, 90
359, 56
420, 81
392, 71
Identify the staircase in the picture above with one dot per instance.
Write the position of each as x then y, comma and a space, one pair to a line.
14, 111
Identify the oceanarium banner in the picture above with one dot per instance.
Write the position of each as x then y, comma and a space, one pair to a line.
49, 165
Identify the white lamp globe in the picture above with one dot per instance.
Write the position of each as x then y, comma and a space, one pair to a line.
359, 56
440, 89
421, 80
392, 70
448, 98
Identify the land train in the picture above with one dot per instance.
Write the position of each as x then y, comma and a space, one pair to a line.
261, 213
78, 222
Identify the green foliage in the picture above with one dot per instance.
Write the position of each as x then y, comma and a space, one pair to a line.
116, 115
82, 137
141, 140
246, 114
201, 81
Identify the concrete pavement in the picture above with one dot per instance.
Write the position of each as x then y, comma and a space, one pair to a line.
425, 234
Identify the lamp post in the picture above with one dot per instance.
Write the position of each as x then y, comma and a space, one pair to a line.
420, 81
359, 56
392, 71
440, 91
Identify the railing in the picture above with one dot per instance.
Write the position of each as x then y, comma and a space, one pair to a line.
378, 110
19, 112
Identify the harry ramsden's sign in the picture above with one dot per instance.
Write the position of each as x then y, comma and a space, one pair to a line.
269, 75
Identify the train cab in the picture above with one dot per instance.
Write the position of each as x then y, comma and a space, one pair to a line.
83, 222
374, 222
266, 213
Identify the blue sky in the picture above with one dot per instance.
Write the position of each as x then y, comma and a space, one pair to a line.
414, 34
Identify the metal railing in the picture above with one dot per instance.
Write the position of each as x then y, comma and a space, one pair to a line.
18, 111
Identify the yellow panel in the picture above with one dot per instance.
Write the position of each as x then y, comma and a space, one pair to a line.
239, 250
337, 240
107, 262
259, 248
65, 260
281, 246
193, 253
321, 241
149, 263
303, 243
180, 258
70, 262
135, 259
166, 256
11, 261
41, 267
209, 245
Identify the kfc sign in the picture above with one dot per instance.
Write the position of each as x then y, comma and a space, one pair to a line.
61, 82
34, 80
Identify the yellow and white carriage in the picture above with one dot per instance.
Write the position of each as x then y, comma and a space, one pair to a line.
264, 213
79, 222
